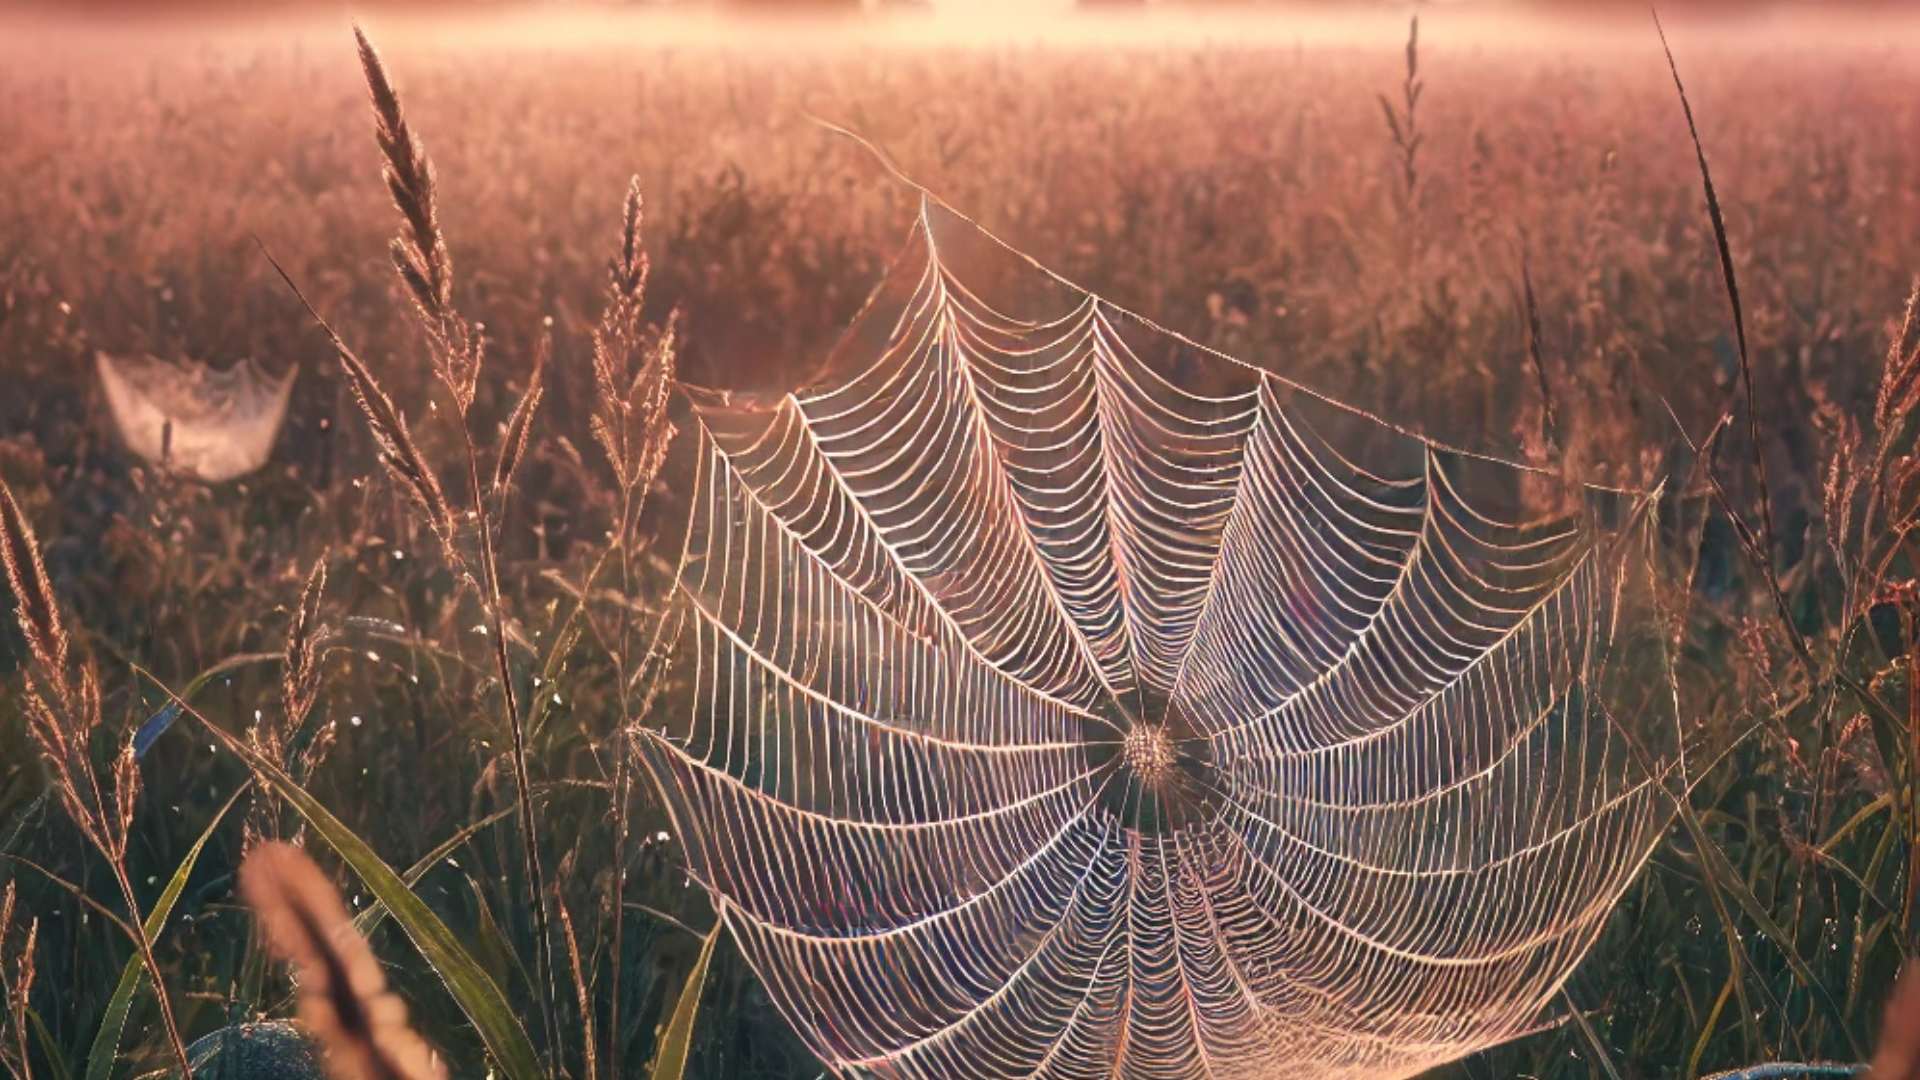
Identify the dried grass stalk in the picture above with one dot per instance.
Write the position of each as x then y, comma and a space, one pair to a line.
32, 590
633, 382
62, 709
16, 985
344, 1000
513, 443
300, 673
583, 995
398, 451
1871, 490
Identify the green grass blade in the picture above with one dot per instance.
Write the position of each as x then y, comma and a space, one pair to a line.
106, 1042
369, 920
1600, 1053
49, 1047
1722, 874
670, 1061
485, 1007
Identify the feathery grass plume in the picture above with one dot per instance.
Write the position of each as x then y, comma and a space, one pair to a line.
398, 451
278, 739
344, 1000
1405, 126
62, 709
16, 984
420, 255
519, 427
1871, 493
420, 251
634, 382
300, 673
32, 591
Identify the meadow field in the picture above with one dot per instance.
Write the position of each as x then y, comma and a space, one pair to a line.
1259, 191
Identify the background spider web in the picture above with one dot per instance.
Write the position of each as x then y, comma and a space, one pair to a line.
1400, 704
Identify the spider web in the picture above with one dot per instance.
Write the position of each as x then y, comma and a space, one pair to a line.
1072, 701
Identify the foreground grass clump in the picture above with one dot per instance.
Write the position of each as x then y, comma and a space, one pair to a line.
444, 657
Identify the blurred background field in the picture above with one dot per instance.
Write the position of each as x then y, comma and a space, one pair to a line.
1236, 181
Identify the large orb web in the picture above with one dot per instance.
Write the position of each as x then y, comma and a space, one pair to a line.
1070, 701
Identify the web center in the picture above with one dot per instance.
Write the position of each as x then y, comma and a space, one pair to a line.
1148, 752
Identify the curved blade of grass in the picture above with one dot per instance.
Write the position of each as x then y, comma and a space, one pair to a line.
485, 1007
670, 1060
369, 920
1721, 874
106, 1042
49, 1046
1600, 1052
156, 725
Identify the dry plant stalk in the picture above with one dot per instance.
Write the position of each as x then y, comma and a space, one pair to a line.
634, 377
420, 256
1871, 493
1549, 421
300, 678
344, 1000
299, 691
634, 383
398, 452
1758, 547
16, 984
62, 709
519, 426
582, 993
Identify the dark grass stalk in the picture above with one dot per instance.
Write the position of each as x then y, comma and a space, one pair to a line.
1759, 548
1549, 421
1405, 126
1592, 1037
522, 771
